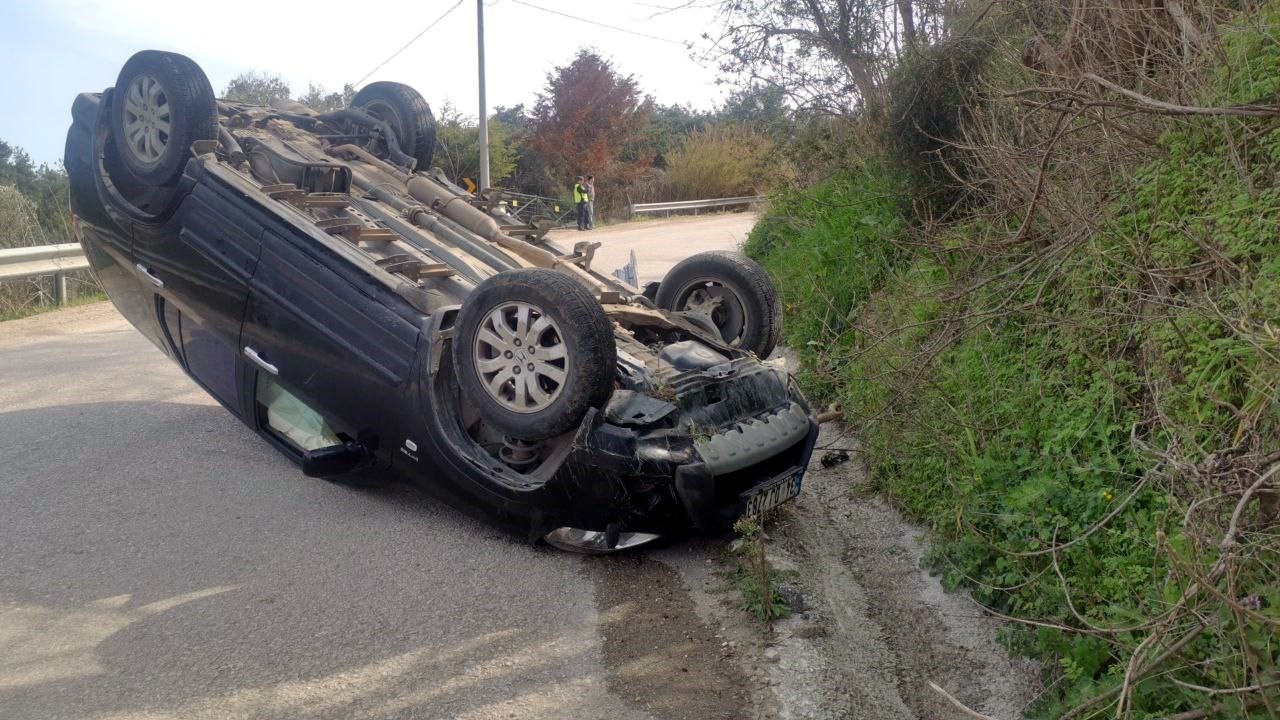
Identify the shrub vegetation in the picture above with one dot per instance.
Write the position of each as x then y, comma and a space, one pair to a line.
728, 160
1073, 381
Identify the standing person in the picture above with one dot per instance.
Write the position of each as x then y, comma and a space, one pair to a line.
581, 196
591, 202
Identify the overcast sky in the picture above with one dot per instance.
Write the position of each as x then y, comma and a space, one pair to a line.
50, 51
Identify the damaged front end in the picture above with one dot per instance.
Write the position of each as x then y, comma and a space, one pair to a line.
694, 435
734, 428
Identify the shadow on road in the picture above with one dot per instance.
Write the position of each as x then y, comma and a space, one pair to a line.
161, 560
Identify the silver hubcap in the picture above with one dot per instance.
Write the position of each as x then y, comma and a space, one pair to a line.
146, 118
521, 357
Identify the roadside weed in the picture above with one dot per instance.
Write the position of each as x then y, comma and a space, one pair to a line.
752, 574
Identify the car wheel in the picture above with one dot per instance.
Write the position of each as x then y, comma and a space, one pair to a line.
533, 352
161, 104
733, 291
409, 116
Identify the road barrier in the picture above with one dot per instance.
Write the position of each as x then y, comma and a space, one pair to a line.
55, 260
694, 205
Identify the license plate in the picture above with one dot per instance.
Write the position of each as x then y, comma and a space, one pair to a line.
776, 492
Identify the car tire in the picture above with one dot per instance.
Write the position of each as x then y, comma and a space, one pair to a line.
407, 113
533, 352
162, 103
737, 293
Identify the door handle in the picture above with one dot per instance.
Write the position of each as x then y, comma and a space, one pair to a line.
258, 360
150, 275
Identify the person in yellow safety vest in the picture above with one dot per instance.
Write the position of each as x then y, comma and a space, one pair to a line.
581, 196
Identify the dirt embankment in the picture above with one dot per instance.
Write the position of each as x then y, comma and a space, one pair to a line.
878, 628
873, 628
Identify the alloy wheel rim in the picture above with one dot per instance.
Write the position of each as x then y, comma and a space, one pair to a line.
521, 357
148, 119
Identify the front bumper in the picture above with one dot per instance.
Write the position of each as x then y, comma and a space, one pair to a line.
741, 458
753, 440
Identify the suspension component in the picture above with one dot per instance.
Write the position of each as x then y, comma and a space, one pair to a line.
519, 455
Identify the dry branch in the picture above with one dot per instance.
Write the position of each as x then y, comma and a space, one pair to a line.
1164, 108
959, 705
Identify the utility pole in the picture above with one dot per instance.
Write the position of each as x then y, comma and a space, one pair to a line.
484, 110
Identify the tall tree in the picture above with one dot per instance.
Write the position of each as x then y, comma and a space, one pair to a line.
319, 100
589, 119
257, 88
513, 115
763, 106
826, 55
667, 126
458, 137
44, 188
16, 167
260, 88
528, 173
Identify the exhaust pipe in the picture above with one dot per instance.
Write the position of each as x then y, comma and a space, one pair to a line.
454, 207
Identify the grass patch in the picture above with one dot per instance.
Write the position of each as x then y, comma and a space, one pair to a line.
38, 308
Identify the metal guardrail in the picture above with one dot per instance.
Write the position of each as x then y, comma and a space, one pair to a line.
55, 260
694, 205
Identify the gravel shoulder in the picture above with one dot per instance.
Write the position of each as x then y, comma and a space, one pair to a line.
875, 628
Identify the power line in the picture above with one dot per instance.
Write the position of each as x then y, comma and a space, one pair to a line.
599, 24
412, 41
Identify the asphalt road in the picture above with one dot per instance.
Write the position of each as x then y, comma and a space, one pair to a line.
660, 243
159, 561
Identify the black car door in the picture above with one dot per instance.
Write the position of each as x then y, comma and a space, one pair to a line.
107, 237
322, 329
200, 262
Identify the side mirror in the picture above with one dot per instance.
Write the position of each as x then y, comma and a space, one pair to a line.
333, 460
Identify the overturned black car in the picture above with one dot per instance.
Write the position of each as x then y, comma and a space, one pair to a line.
317, 277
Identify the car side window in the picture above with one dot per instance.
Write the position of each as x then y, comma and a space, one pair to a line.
290, 418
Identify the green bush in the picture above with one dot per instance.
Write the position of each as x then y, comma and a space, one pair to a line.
929, 90
728, 160
998, 403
